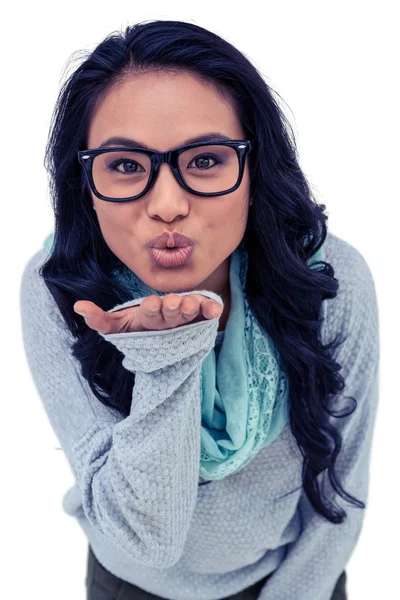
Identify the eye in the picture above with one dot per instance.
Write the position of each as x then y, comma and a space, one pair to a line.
204, 158
124, 161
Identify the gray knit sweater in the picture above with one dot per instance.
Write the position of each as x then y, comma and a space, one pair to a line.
137, 495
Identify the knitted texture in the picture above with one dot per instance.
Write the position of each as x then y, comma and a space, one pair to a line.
137, 495
244, 397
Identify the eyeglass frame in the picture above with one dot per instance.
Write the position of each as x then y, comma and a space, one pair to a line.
86, 158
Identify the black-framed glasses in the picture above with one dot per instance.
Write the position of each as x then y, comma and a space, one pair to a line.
123, 173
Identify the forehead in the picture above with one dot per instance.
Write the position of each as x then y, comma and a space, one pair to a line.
162, 109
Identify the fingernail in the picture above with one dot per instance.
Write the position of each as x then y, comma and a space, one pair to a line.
82, 313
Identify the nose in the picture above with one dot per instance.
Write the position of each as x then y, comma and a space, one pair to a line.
167, 198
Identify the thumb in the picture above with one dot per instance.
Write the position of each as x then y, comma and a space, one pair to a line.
95, 317
84, 308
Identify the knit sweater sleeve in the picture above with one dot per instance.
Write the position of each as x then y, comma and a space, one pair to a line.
138, 475
315, 561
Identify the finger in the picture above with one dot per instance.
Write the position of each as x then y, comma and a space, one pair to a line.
213, 309
190, 307
210, 308
171, 306
151, 306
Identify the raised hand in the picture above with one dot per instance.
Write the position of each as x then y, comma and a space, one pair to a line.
154, 313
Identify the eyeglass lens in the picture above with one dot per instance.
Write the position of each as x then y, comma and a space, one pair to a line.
210, 168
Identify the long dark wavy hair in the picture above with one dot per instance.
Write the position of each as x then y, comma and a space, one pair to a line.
285, 227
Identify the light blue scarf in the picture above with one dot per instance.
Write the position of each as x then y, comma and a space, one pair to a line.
244, 391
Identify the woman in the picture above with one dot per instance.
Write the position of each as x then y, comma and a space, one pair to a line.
195, 398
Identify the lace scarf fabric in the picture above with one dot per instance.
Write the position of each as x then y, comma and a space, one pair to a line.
245, 391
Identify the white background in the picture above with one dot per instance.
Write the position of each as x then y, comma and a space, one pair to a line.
336, 66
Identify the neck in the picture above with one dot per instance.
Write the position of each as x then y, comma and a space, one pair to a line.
226, 297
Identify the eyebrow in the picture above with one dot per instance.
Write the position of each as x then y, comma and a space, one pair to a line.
124, 141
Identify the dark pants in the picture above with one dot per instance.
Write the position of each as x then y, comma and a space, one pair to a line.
103, 585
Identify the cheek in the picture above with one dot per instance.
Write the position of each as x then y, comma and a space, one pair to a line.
225, 227
235, 211
121, 229
226, 209
118, 218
